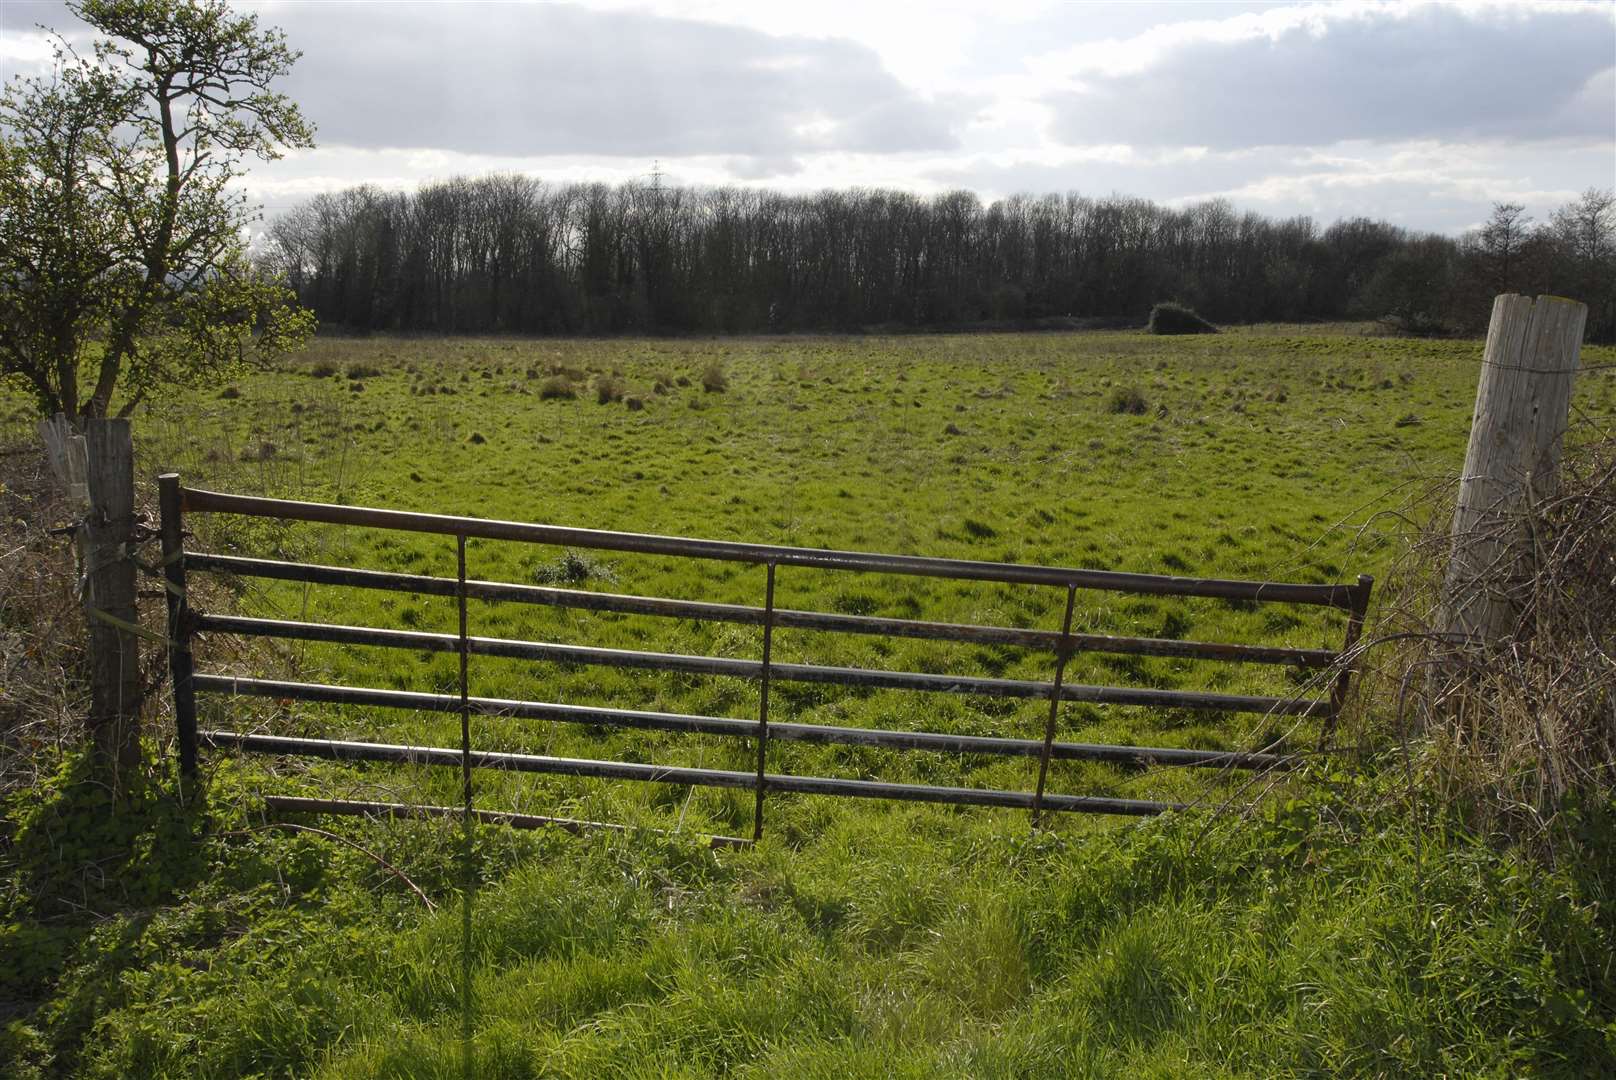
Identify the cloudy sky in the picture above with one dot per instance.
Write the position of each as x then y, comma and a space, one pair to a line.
1421, 113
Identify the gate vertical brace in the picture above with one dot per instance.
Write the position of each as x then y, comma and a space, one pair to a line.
466, 1063
763, 704
1343, 679
180, 664
1054, 706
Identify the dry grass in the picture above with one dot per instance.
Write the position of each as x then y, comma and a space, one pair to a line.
42, 695
1509, 733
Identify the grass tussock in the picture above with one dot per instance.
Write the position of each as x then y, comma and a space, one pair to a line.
1127, 401
557, 388
714, 378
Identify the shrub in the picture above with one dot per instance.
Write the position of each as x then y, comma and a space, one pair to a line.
323, 370
713, 378
362, 371
1129, 400
608, 388
230, 393
572, 568
1170, 317
557, 386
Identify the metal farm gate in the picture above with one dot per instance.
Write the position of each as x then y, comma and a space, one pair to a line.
184, 622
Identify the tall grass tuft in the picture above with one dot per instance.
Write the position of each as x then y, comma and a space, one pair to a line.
557, 387
714, 379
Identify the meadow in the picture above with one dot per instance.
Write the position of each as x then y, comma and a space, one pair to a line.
1323, 933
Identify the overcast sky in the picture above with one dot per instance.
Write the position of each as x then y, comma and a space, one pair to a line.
1423, 114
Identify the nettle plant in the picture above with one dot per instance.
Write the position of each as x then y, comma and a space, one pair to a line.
124, 262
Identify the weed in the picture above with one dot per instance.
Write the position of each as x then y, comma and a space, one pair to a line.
573, 568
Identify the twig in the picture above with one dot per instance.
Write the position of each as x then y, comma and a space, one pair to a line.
383, 863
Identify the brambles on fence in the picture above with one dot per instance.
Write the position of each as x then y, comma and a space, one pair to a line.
1510, 733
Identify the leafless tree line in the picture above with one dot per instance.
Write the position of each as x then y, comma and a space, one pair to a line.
510, 254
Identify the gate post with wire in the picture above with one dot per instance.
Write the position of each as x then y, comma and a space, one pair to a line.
108, 589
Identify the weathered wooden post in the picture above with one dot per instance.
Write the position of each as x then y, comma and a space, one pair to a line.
1523, 404
109, 596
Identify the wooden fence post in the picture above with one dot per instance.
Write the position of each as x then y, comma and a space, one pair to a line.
109, 596
1523, 404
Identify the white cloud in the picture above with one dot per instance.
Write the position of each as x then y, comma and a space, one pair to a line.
1419, 112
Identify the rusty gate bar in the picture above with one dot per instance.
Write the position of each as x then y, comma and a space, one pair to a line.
785, 618
1340, 596
1054, 704
511, 648
181, 664
344, 750
1338, 691
298, 804
465, 693
1114, 754
763, 704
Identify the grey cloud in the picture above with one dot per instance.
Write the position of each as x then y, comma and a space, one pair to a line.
546, 79
1429, 73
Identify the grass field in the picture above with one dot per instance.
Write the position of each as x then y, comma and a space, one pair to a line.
860, 939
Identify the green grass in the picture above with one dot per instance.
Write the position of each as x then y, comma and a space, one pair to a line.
861, 939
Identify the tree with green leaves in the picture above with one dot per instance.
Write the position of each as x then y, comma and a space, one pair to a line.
123, 254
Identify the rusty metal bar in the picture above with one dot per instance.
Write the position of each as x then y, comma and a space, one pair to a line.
785, 618
1126, 756
763, 705
751, 669
1343, 679
1340, 596
343, 750
1054, 707
295, 804
181, 664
